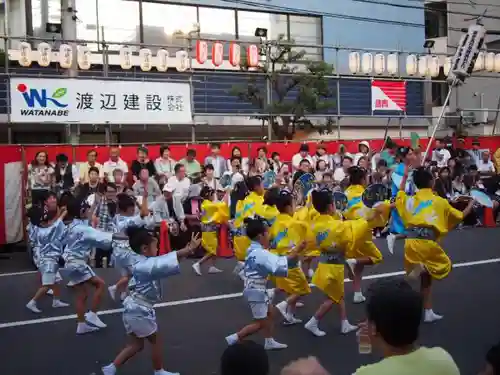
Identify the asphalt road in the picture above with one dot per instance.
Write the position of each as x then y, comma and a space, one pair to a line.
199, 312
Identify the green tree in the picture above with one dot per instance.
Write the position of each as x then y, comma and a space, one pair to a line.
295, 92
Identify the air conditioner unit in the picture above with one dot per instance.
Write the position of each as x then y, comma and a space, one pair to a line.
474, 118
452, 119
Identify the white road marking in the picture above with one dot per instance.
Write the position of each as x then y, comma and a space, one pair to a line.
219, 297
17, 273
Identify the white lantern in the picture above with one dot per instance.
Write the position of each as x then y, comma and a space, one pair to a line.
447, 65
253, 55
234, 54
65, 56
25, 54
497, 63
354, 62
367, 63
411, 65
84, 57
423, 65
125, 58
392, 64
146, 59
433, 66
162, 60
379, 63
489, 62
217, 54
182, 61
44, 54
479, 65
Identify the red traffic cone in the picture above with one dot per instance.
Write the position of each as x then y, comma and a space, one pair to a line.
488, 219
224, 250
164, 238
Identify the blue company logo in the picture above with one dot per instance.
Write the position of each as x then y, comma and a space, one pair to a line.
39, 98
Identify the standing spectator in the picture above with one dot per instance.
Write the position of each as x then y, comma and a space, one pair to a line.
236, 153
180, 182
114, 162
90, 163
192, 165
262, 162
363, 150
217, 161
91, 186
485, 165
66, 174
275, 163
40, 175
164, 165
141, 162
303, 154
441, 155
105, 211
146, 183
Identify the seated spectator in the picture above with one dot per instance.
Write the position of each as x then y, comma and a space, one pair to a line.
485, 166
180, 182
164, 165
340, 173
141, 162
217, 161
120, 180
190, 163
169, 207
301, 155
443, 185
147, 183
245, 358
209, 178
90, 163
394, 313
114, 162
91, 186
492, 361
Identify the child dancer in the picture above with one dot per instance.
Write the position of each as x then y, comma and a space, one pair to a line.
428, 218
139, 316
213, 214
259, 265
79, 240
47, 233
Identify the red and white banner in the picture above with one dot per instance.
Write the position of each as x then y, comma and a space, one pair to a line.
389, 96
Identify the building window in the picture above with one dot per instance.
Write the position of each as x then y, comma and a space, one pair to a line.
118, 22
87, 28
307, 31
276, 24
439, 89
211, 26
436, 20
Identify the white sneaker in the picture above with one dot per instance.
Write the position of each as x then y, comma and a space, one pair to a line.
109, 369
289, 318
232, 339
197, 268
56, 303
50, 292
112, 292
83, 328
347, 327
272, 344
165, 372
430, 316
391, 242
92, 318
31, 305
358, 297
214, 269
70, 284
312, 326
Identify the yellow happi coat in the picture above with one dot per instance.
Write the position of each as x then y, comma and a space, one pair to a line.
248, 207
212, 215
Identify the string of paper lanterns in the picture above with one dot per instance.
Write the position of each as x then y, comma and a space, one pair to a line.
423, 65
147, 61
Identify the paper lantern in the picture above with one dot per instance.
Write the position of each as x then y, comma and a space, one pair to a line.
411, 65
44, 54
367, 63
379, 63
479, 64
217, 54
201, 51
433, 66
84, 57
253, 55
65, 56
182, 61
354, 62
497, 63
146, 59
423, 65
234, 54
447, 65
25, 54
126, 58
392, 64
162, 60
489, 62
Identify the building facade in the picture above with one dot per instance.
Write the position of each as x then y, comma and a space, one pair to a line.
326, 33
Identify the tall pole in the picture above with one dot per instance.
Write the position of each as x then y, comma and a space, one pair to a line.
438, 122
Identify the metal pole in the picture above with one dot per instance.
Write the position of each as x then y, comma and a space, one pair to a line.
495, 121
269, 93
441, 115
68, 23
385, 134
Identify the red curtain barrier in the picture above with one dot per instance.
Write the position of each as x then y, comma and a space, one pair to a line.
178, 151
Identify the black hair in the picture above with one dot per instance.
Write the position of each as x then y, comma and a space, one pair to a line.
274, 154
178, 167
262, 149
143, 149
206, 192
49, 194
111, 185
253, 182
395, 309
303, 161
138, 237
61, 158
254, 227
94, 169
285, 199
239, 193
191, 152
75, 206
493, 358
236, 158
215, 145
35, 214
65, 198
321, 199
271, 196
422, 178
92, 151
356, 175
125, 201
244, 358
34, 163
163, 148
208, 167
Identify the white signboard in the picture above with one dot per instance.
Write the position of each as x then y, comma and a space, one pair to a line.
99, 102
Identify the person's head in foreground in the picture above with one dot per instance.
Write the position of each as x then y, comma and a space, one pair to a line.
492, 361
244, 358
256, 230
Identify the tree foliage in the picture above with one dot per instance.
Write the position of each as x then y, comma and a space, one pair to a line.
295, 92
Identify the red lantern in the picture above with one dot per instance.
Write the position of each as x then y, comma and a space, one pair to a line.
201, 51
234, 54
253, 55
217, 54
